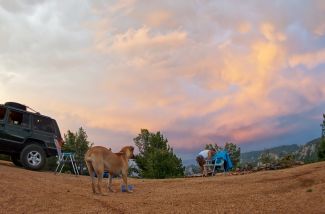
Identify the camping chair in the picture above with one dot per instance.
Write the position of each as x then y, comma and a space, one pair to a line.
208, 167
66, 157
63, 158
219, 165
213, 167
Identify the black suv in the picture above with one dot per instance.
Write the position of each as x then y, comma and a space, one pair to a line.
28, 137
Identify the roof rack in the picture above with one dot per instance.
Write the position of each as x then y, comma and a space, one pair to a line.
36, 112
20, 106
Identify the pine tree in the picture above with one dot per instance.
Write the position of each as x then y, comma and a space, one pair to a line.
79, 144
321, 149
156, 158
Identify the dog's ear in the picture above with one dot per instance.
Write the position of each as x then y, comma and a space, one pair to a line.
132, 148
109, 149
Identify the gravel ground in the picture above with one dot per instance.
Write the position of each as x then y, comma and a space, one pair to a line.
295, 190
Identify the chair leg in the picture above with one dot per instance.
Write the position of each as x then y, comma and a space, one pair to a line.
59, 164
73, 164
57, 167
63, 163
214, 171
205, 171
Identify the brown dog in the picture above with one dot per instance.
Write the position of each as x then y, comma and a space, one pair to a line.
99, 158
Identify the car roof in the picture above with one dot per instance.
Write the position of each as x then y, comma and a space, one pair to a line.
29, 112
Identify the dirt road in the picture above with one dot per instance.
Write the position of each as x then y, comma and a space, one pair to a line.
295, 190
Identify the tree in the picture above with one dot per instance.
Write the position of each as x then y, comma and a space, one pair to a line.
156, 158
234, 152
215, 147
267, 158
321, 149
79, 144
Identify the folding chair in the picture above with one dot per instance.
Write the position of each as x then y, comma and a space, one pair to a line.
219, 165
66, 157
208, 167
213, 167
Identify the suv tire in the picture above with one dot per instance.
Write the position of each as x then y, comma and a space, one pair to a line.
33, 157
15, 159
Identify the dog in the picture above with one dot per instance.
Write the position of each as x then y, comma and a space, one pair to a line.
99, 158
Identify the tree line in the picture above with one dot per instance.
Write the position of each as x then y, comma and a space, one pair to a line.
156, 159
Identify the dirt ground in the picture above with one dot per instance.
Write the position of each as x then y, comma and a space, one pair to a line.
295, 190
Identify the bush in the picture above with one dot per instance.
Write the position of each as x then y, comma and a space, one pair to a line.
156, 158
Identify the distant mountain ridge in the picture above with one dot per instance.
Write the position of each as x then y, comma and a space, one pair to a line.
306, 152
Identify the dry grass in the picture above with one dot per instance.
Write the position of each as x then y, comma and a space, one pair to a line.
295, 190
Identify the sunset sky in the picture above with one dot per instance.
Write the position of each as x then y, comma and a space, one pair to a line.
249, 72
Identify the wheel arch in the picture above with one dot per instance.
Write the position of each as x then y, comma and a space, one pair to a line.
30, 141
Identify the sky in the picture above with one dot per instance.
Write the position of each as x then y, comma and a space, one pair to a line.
248, 72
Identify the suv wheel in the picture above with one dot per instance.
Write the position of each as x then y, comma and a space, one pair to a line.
15, 160
33, 157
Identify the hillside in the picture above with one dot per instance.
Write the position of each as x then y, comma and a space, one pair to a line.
252, 157
295, 190
306, 152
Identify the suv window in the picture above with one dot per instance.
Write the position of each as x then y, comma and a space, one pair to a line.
18, 118
2, 113
43, 124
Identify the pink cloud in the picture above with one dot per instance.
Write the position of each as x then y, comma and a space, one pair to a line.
269, 32
310, 60
141, 40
